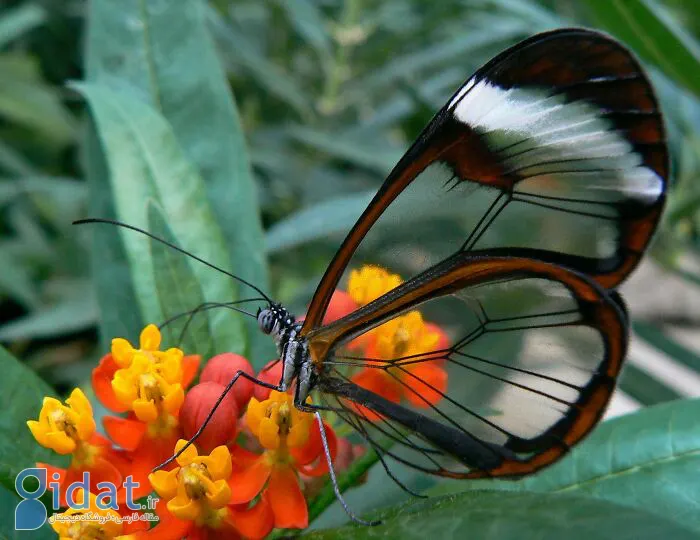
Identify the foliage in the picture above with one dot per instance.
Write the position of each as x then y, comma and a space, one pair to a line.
252, 134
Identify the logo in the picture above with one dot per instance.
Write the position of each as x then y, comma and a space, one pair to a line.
30, 513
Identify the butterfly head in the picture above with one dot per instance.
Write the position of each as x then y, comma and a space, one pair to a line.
273, 319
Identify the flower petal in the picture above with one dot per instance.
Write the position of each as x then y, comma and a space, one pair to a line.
286, 499
149, 340
102, 377
319, 464
122, 352
190, 366
246, 483
255, 522
168, 527
188, 455
428, 382
184, 508
165, 483
145, 410
219, 494
219, 463
125, 432
268, 433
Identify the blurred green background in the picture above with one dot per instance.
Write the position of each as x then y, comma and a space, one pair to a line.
330, 93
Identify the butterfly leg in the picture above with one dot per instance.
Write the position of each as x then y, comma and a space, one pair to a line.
334, 481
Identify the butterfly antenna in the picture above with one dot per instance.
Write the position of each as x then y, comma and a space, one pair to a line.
176, 248
334, 481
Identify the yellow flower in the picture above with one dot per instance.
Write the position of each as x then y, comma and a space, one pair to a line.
198, 489
63, 428
152, 390
106, 524
404, 336
370, 282
149, 345
277, 423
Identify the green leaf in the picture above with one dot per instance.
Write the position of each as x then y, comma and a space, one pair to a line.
639, 385
178, 290
27, 100
20, 20
266, 73
318, 221
517, 515
361, 152
147, 164
307, 19
646, 460
659, 40
73, 314
21, 395
163, 51
15, 280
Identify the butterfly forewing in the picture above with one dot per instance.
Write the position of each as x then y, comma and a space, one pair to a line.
554, 150
534, 353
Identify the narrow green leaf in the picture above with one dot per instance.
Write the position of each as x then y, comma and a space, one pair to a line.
663, 342
266, 73
178, 291
15, 280
334, 216
120, 315
516, 515
146, 163
361, 152
408, 65
19, 20
74, 314
307, 20
21, 395
644, 26
638, 384
163, 51
27, 100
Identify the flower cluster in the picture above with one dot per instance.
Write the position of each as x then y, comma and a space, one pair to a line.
255, 463
417, 374
243, 477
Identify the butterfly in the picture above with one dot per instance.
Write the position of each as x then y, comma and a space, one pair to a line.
525, 201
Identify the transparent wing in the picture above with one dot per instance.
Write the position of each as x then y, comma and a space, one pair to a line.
553, 150
533, 356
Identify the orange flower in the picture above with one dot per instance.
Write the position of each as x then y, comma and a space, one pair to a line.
292, 445
370, 282
70, 429
198, 495
149, 384
421, 382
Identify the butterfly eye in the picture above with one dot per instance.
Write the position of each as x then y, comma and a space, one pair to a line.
266, 320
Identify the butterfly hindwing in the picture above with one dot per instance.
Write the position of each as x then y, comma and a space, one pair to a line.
534, 357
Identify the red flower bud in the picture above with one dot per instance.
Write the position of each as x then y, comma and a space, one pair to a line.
271, 373
221, 369
199, 402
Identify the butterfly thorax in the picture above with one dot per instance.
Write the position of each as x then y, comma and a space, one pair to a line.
292, 348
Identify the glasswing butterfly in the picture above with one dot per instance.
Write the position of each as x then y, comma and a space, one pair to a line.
544, 177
